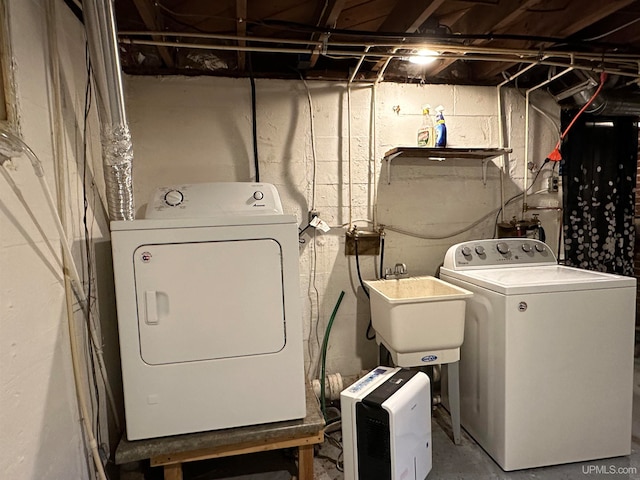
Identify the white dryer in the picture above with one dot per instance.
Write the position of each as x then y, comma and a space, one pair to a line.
546, 367
209, 314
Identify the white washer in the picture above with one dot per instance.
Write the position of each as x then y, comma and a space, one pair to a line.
546, 367
209, 314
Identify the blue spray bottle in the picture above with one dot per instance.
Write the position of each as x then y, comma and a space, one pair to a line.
440, 128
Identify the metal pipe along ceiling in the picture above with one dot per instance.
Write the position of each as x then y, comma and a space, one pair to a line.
117, 150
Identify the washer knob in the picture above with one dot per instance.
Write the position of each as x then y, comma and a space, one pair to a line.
540, 247
526, 247
480, 250
503, 248
258, 195
173, 198
466, 251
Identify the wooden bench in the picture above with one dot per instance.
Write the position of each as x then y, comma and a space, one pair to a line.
172, 452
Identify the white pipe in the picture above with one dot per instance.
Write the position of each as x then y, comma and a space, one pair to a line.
373, 158
362, 57
405, 45
349, 155
77, 375
526, 130
501, 139
71, 270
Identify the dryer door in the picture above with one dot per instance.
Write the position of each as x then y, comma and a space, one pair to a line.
209, 300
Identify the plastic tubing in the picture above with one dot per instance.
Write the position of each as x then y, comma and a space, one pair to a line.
17, 145
325, 342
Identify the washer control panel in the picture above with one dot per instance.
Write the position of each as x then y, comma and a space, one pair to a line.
214, 199
499, 252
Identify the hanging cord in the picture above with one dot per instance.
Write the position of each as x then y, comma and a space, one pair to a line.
325, 342
254, 118
555, 155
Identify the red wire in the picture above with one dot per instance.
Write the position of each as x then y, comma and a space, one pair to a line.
603, 78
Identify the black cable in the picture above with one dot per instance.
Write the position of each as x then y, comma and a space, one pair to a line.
254, 118
369, 331
381, 256
358, 268
88, 242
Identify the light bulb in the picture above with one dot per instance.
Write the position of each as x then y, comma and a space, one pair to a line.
423, 57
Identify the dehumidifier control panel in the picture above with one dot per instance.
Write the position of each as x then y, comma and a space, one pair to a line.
201, 200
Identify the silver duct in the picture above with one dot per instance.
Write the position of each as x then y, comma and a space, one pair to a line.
117, 150
607, 102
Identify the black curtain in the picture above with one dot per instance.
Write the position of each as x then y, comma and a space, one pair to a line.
599, 169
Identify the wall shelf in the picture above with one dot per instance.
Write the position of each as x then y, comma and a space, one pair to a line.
442, 154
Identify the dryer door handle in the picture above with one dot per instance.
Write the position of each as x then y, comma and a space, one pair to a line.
151, 307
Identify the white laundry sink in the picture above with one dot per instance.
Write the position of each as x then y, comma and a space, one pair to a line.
418, 315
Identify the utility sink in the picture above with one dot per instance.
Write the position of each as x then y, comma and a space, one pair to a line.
419, 319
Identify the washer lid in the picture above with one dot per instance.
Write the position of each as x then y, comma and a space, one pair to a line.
540, 279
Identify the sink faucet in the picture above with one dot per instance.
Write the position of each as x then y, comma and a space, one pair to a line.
399, 271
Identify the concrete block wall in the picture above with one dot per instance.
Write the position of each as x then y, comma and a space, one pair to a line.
189, 130
41, 435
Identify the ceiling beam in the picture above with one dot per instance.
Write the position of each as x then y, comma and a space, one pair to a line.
328, 18
407, 17
241, 31
576, 17
153, 22
483, 19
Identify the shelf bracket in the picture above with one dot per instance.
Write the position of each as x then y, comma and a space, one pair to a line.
485, 166
388, 159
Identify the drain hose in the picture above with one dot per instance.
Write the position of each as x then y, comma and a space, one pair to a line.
324, 355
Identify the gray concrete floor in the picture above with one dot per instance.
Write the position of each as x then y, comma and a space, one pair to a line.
469, 460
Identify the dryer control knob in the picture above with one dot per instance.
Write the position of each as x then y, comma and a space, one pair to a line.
466, 251
503, 248
258, 195
526, 247
173, 198
480, 250
539, 247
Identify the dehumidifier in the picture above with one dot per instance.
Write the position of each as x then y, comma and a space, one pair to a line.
386, 426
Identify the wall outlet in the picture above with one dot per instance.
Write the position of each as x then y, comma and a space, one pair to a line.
552, 183
313, 213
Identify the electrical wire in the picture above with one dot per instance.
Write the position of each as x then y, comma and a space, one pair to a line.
254, 122
312, 265
611, 32
313, 143
369, 334
72, 280
555, 155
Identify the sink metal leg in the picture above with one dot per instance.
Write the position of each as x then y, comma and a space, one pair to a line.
453, 374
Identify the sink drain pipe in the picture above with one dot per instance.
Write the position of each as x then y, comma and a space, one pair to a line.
117, 151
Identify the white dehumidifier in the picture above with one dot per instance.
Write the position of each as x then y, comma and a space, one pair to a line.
386, 426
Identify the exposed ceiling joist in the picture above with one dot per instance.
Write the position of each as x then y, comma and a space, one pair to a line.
575, 17
241, 30
153, 22
487, 19
328, 18
407, 17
